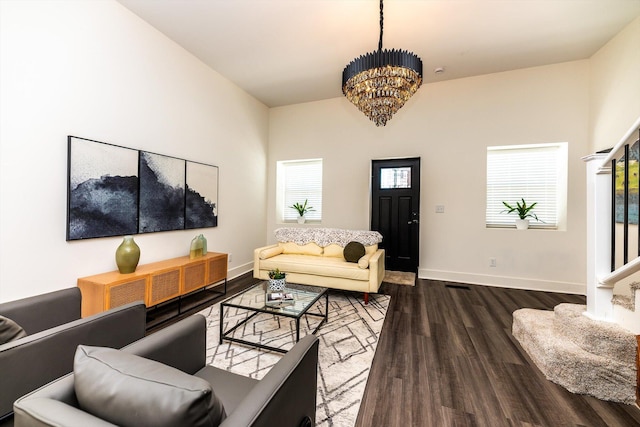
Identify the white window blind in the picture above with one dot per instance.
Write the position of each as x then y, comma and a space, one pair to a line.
532, 172
301, 180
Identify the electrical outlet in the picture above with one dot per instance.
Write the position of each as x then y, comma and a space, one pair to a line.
492, 262
230, 257
439, 208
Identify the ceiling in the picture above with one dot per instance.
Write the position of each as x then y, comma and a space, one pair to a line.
291, 51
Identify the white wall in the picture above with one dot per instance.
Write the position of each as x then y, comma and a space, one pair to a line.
449, 125
95, 70
615, 88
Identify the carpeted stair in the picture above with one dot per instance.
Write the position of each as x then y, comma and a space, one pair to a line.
584, 356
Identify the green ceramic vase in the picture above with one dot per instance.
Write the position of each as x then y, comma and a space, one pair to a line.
196, 248
204, 244
127, 255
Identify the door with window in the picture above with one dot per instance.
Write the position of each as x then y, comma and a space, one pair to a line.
395, 210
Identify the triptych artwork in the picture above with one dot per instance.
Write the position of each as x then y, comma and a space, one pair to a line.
115, 191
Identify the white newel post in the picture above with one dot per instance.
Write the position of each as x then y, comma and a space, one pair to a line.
599, 195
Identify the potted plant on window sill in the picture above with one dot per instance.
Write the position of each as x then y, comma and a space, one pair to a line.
523, 211
302, 210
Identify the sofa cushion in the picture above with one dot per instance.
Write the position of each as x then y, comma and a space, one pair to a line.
334, 250
269, 252
371, 249
354, 251
129, 390
318, 266
10, 330
294, 248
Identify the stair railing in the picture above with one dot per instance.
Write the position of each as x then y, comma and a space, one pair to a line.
602, 273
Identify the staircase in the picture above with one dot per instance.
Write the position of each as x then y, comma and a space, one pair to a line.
583, 355
624, 308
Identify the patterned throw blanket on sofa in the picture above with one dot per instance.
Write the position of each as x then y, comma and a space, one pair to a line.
326, 236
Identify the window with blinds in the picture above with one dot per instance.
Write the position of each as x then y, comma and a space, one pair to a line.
535, 173
299, 180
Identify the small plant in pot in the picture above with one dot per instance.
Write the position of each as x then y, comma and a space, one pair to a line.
277, 280
302, 210
523, 211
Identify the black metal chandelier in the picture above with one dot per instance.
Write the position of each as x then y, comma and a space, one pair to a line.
380, 82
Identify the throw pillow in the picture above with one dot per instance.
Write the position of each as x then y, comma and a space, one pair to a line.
129, 390
268, 253
353, 251
10, 330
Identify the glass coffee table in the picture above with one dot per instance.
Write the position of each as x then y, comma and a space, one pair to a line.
254, 300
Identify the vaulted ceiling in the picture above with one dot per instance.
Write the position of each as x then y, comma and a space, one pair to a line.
291, 51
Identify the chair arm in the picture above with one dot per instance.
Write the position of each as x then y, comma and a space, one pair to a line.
42, 412
35, 360
181, 345
41, 312
287, 393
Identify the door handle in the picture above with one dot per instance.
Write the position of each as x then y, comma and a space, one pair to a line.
414, 221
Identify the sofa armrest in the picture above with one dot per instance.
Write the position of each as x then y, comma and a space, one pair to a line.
256, 259
41, 312
182, 345
376, 270
35, 360
287, 393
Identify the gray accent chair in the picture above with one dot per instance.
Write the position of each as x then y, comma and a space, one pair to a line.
54, 329
285, 397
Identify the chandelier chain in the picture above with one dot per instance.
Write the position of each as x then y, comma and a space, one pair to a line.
381, 26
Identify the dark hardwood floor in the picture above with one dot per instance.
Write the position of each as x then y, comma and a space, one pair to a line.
446, 357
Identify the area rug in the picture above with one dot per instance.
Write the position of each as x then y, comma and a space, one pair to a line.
400, 277
347, 345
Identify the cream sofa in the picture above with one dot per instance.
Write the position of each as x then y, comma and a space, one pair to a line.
314, 256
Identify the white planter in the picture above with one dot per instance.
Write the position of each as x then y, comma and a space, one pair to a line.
522, 224
301, 220
277, 285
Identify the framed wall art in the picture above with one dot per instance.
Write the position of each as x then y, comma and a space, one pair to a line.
114, 191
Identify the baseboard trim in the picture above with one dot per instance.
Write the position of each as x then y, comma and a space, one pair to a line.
503, 281
234, 272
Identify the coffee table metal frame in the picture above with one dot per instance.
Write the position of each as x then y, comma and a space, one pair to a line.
290, 311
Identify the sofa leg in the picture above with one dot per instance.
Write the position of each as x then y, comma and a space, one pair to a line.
366, 298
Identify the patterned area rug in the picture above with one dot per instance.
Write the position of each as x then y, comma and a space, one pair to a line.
400, 277
347, 345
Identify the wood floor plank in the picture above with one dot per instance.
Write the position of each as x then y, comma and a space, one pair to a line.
446, 357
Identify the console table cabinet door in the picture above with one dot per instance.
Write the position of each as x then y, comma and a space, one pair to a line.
217, 268
194, 276
109, 290
163, 286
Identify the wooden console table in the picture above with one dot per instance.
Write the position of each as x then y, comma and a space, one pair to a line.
152, 283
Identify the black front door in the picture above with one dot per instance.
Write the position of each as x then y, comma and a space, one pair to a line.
395, 210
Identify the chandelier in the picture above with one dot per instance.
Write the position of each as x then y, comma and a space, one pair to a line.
380, 82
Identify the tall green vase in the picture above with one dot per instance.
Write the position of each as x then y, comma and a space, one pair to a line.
127, 255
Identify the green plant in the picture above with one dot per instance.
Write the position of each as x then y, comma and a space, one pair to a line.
522, 210
302, 209
276, 274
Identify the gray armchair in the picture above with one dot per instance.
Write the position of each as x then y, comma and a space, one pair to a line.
54, 329
286, 396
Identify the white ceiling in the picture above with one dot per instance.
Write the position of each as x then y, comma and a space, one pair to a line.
291, 51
